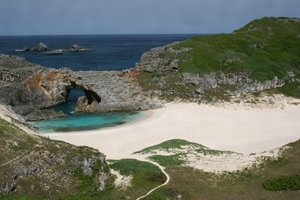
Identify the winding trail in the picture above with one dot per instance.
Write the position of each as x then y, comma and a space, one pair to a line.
21, 156
165, 183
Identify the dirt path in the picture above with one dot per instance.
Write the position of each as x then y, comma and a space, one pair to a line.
21, 156
165, 183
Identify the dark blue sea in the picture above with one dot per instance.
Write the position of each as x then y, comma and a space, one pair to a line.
108, 52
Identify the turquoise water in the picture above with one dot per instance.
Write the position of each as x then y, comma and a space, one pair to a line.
82, 121
79, 122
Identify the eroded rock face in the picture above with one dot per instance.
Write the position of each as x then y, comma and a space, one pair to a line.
118, 92
30, 89
241, 81
47, 88
155, 60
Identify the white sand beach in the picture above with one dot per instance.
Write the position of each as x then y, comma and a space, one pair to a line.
234, 128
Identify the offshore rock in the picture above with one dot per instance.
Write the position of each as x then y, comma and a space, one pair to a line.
54, 52
76, 48
25, 48
40, 47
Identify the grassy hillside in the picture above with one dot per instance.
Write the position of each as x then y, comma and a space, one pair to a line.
189, 183
35, 167
265, 48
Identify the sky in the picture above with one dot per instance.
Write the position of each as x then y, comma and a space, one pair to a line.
68, 17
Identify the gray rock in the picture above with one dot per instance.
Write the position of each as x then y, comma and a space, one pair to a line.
40, 47
87, 167
241, 81
155, 60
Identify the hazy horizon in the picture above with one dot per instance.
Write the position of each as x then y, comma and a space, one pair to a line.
106, 17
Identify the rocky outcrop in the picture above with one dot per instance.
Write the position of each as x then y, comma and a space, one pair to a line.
40, 47
30, 88
47, 88
54, 52
241, 82
25, 48
76, 48
118, 92
155, 60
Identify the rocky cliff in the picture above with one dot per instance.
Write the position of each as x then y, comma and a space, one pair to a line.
118, 92
29, 88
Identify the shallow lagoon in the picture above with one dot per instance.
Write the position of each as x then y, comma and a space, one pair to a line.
86, 121
82, 121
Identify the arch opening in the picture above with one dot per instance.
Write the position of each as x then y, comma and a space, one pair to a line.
75, 89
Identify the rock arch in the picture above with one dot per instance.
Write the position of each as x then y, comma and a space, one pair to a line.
53, 87
90, 94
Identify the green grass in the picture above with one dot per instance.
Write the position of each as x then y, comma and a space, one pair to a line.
167, 160
178, 144
262, 52
18, 196
145, 176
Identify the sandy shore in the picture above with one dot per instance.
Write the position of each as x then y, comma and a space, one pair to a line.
232, 128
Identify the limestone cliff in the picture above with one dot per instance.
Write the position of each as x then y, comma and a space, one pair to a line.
118, 92
30, 88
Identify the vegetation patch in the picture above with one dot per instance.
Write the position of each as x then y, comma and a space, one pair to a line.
177, 151
283, 183
176, 145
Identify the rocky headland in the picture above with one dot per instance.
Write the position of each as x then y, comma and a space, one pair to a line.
181, 70
30, 88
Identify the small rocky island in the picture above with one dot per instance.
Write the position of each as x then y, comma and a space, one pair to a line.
43, 47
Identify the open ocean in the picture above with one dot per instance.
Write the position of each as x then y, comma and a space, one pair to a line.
108, 52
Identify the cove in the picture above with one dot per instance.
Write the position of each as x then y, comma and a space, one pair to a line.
82, 121
85, 121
